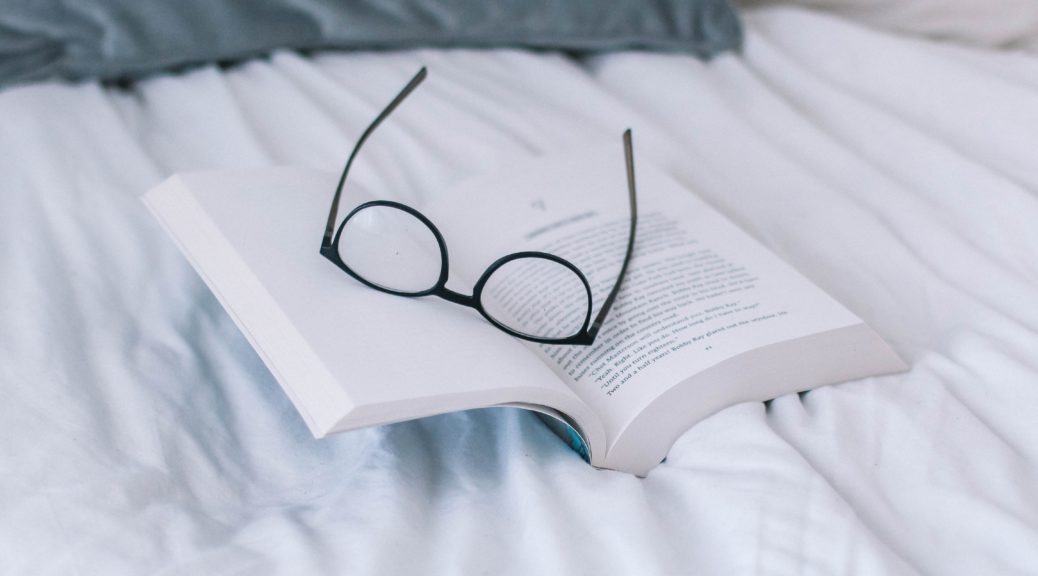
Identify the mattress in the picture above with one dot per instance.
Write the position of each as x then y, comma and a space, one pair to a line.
142, 435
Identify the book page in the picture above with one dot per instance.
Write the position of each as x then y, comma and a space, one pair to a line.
698, 290
254, 237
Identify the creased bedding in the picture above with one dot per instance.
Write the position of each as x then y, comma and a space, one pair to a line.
143, 436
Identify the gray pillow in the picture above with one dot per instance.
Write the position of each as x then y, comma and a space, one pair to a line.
116, 39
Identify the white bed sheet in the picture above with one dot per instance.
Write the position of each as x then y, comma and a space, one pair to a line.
142, 435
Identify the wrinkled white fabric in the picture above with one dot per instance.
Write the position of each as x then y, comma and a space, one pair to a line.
1011, 24
142, 435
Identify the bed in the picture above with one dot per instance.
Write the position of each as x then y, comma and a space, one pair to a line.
143, 435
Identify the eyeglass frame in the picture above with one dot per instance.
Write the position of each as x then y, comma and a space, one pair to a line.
589, 330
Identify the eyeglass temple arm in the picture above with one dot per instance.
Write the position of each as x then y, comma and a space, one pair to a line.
632, 196
329, 229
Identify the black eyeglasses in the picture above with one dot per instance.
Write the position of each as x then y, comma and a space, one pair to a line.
535, 296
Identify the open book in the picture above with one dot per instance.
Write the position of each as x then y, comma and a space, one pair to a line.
706, 317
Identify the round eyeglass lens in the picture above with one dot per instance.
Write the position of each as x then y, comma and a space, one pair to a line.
392, 249
536, 297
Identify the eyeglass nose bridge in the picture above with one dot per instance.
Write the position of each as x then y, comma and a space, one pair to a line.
456, 297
